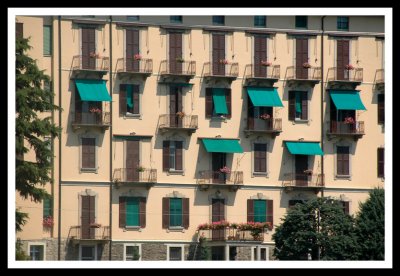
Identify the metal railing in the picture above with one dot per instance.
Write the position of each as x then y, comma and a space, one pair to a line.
216, 177
303, 180
89, 232
131, 65
174, 67
266, 72
355, 75
231, 234
139, 175
92, 63
313, 73
380, 76
88, 118
347, 128
212, 69
271, 124
175, 121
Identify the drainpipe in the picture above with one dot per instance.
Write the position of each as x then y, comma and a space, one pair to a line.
59, 139
322, 104
110, 208
52, 122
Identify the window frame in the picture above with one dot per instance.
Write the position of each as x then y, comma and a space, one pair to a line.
176, 246
88, 170
301, 19
381, 105
266, 173
43, 244
383, 162
307, 114
262, 19
170, 154
137, 200
170, 214
340, 22
340, 176
139, 245
50, 53
262, 215
88, 245
218, 20
258, 249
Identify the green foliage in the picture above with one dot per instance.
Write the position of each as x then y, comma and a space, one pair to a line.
204, 250
20, 220
136, 255
301, 233
19, 252
32, 126
370, 227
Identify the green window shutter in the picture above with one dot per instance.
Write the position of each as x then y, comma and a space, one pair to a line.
47, 40
175, 209
129, 96
47, 207
260, 211
132, 211
219, 99
298, 103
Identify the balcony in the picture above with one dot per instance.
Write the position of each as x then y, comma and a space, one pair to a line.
135, 176
89, 233
342, 78
380, 79
260, 126
303, 181
232, 180
232, 234
295, 75
129, 67
217, 70
88, 119
83, 67
262, 73
168, 122
339, 129
175, 68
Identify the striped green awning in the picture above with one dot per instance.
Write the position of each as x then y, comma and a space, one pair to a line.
264, 96
93, 90
219, 98
222, 145
305, 148
347, 100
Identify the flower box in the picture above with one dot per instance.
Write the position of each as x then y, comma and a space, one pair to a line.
140, 169
225, 170
48, 221
307, 65
180, 60
266, 63
137, 57
223, 61
349, 67
94, 55
95, 110
265, 116
180, 114
95, 225
349, 120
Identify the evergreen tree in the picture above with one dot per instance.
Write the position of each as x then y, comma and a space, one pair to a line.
31, 128
370, 227
204, 250
318, 227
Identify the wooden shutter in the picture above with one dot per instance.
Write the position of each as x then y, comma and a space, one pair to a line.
228, 98
381, 162
135, 48
142, 212
217, 210
342, 58
78, 106
122, 99
175, 51
165, 212
250, 210
301, 58
19, 30
342, 160
122, 212
178, 155
87, 217
88, 46
165, 156
88, 153
381, 108
260, 54
129, 52
218, 53
260, 164
185, 213
270, 212
292, 105
135, 91
209, 103
304, 105
250, 114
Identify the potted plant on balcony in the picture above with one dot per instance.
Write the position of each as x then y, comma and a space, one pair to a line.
349, 120
95, 225
180, 114
94, 55
307, 65
180, 60
137, 57
265, 116
223, 61
225, 170
266, 63
95, 110
48, 221
349, 67
308, 172
140, 169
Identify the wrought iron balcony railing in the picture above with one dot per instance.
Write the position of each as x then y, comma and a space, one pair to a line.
303, 180
217, 177
96, 63
217, 69
91, 119
313, 73
345, 75
131, 65
263, 72
178, 68
267, 125
135, 175
347, 128
232, 234
89, 232
176, 121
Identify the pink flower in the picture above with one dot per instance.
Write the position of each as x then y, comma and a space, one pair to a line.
137, 57
265, 116
306, 65
349, 67
223, 61
225, 169
48, 221
266, 63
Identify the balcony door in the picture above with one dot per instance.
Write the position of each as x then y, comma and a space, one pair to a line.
218, 162
88, 47
132, 160
132, 48
175, 105
218, 214
255, 117
301, 58
175, 52
301, 164
218, 54
260, 54
342, 59
87, 217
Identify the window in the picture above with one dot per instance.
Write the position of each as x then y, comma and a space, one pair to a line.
381, 162
88, 252
260, 253
218, 253
175, 253
132, 252
47, 40
260, 211
298, 105
47, 208
218, 102
133, 18
301, 22
132, 212
175, 213
129, 102
381, 108
342, 161
88, 154
260, 158
343, 23
19, 30
36, 252
175, 19
172, 156
260, 21
48, 141
345, 207
218, 20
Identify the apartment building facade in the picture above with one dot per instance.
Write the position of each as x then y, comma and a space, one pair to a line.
170, 122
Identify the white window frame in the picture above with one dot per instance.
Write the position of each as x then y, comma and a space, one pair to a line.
96, 154
36, 244
258, 248
337, 176
95, 251
139, 245
182, 246
254, 173
176, 139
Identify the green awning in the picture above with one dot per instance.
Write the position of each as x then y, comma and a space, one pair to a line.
219, 99
93, 90
264, 96
222, 145
305, 148
347, 99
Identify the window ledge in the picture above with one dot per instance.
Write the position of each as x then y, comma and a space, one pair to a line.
176, 172
260, 174
218, 118
300, 121
343, 177
88, 170
176, 229
132, 228
132, 116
